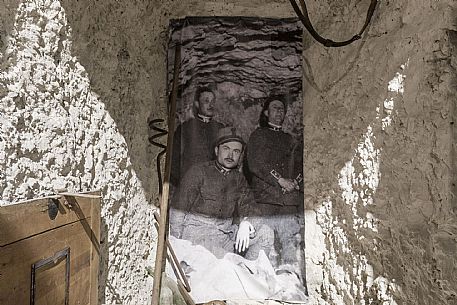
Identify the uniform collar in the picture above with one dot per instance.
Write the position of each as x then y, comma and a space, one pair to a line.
204, 118
223, 170
274, 127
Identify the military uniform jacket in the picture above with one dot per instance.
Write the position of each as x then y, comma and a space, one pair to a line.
210, 191
276, 150
192, 143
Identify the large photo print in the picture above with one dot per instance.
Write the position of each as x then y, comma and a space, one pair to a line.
236, 194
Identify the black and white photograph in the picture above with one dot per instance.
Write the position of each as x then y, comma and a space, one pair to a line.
236, 199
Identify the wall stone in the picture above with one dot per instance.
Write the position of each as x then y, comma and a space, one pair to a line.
79, 79
381, 188
56, 132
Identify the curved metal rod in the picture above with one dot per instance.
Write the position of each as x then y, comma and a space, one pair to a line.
304, 18
152, 139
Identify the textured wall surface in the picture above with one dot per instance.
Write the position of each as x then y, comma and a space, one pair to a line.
56, 131
379, 155
79, 79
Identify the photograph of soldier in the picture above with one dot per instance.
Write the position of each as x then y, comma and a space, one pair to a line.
275, 167
209, 195
236, 199
195, 136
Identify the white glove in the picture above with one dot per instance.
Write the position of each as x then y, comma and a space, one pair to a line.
242, 237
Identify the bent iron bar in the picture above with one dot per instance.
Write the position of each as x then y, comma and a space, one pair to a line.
152, 139
304, 18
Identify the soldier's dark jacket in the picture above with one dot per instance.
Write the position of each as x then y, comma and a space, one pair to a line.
212, 192
272, 149
192, 143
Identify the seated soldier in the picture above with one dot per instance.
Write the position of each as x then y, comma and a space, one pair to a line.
209, 195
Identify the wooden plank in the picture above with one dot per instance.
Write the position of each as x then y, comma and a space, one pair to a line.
29, 235
95, 250
161, 248
16, 260
50, 284
35, 199
19, 221
67, 194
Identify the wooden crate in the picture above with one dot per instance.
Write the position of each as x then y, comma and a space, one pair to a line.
34, 234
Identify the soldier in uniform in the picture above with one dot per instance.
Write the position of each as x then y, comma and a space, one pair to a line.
194, 139
274, 162
210, 194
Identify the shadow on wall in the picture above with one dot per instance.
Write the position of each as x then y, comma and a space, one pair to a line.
117, 44
345, 226
385, 236
122, 48
80, 127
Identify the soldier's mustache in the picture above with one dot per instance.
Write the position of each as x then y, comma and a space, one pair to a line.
229, 159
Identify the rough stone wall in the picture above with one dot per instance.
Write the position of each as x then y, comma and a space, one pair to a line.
379, 155
56, 131
79, 79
